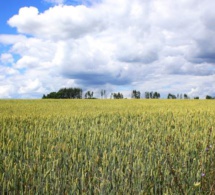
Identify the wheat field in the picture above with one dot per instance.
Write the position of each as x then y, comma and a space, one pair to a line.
107, 147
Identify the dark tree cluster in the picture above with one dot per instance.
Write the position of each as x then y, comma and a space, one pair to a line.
179, 96
152, 95
89, 95
135, 94
117, 95
208, 97
65, 93
171, 96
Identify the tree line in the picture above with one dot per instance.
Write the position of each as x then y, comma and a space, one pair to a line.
65, 93
77, 93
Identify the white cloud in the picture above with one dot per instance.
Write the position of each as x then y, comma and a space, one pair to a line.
57, 23
6, 58
30, 85
11, 39
167, 46
9, 71
5, 91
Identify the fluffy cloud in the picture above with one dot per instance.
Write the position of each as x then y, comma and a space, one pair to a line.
11, 39
6, 58
58, 23
165, 46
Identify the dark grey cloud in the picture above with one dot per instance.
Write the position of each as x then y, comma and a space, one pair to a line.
205, 50
89, 79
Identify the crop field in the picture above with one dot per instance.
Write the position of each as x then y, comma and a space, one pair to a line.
107, 147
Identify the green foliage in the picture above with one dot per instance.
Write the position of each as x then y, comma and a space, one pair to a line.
107, 147
89, 95
65, 93
186, 96
135, 94
117, 95
152, 95
171, 96
209, 97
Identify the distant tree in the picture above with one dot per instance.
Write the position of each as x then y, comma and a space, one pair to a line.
135, 94
65, 93
196, 98
103, 94
88, 95
156, 95
152, 95
117, 95
147, 95
208, 97
52, 95
186, 96
171, 96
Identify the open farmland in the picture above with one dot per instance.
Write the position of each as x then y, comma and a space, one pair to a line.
107, 146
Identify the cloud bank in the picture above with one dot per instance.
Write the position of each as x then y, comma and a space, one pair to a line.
165, 46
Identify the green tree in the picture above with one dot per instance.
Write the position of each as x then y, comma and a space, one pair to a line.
186, 96
147, 96
152, 95
156, 95
52, 95
171, 96
209, 97
117, 95
65, 93
103, 93
89, 95
135, 94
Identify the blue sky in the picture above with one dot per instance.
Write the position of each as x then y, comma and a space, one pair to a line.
10, 7
119, 46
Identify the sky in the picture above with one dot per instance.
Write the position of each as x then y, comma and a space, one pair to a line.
117, 45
